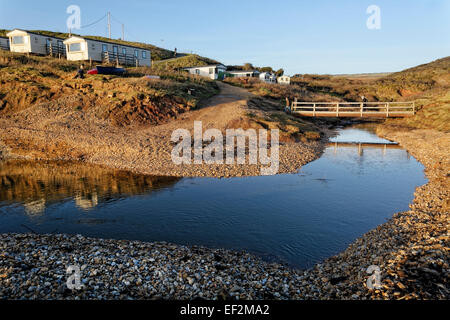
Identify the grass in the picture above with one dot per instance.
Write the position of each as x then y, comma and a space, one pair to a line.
191, 60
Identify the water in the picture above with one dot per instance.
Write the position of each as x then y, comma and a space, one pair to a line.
299, 219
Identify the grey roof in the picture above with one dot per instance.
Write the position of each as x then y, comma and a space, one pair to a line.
39, 34
113, 43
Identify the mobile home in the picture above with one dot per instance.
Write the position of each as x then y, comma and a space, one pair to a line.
268, 77
215, 71
243, 73
32, 42
284, 80
4, 43
82, 49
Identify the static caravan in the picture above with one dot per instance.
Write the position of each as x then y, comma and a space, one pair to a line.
31, 42
243, 73
82, 49
268, 77
4, 43
284, 80
215, 71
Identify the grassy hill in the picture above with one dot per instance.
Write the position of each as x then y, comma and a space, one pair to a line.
157, 52
28, 81
191, 60
428, 85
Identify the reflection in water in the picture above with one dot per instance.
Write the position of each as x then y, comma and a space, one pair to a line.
361, 146
88, 201
34, 208
37, 184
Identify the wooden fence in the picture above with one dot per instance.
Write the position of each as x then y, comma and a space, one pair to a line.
120, 58
352, 109
56, 50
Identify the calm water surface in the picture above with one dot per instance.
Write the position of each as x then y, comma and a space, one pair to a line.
298, 219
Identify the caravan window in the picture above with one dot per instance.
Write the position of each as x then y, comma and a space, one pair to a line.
115, 49
73, 47
124, 50
18, 40
104, 47
136, 53
144, 55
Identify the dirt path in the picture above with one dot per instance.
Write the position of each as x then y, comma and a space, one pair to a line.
216, 112
54, 131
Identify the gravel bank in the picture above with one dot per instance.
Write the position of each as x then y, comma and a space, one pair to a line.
55, 131
411, 250
34, 267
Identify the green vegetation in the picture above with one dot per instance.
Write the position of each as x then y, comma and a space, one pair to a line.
249, 67
191, 60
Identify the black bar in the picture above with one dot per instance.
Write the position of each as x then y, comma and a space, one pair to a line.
203, 309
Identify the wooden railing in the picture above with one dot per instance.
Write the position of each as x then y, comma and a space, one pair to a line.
56, 50
352, 109
120, 58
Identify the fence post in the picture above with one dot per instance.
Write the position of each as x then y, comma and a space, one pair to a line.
387, 109
314, 109
337, 109
362, 107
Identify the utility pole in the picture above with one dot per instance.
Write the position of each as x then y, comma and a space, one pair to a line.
109, 24
123, 31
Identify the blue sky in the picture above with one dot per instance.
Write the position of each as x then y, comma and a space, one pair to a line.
300, 36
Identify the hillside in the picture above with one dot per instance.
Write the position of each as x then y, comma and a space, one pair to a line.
157, 52
191, 60
428, 85
30, 81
